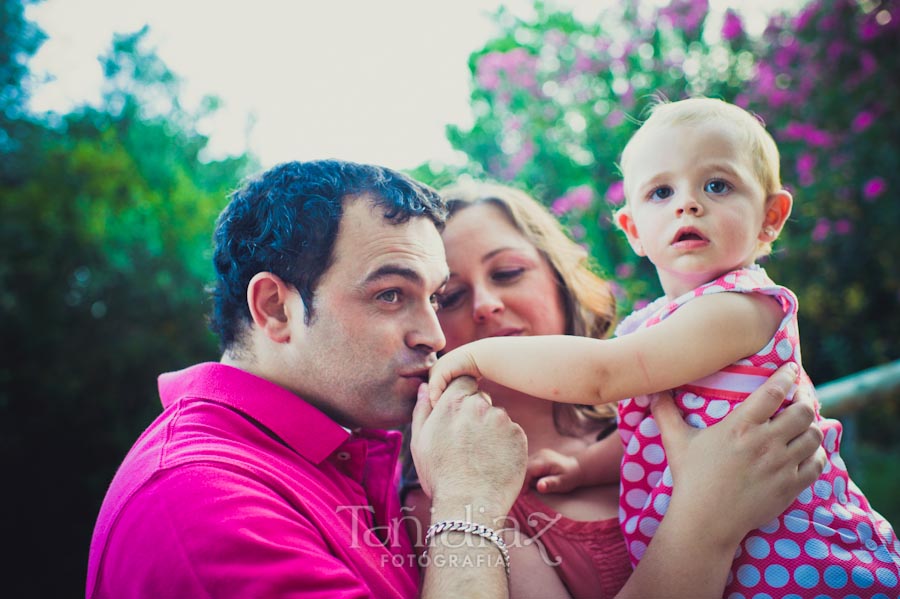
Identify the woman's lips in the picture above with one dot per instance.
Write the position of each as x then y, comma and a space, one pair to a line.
505, 332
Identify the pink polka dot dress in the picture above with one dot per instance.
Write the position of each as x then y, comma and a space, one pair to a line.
829, 543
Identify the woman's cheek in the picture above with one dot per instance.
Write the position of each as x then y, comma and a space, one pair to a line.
454, 333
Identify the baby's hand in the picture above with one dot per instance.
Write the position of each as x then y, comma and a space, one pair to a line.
555, 472
453, 364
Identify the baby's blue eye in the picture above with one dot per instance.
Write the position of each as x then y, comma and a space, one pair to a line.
717, 186
663, 192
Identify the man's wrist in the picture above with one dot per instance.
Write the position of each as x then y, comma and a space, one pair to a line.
470, 509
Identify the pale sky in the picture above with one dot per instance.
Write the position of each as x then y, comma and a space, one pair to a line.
365, 80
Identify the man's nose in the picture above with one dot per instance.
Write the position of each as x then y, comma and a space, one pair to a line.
428, 335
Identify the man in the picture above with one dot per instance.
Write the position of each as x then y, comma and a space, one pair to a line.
266, 474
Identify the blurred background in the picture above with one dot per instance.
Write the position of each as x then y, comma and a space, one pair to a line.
124, 126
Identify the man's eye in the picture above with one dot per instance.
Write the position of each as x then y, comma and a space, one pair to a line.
662, 192
391, 296
717, 186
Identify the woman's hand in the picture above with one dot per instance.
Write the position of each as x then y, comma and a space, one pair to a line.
741, 473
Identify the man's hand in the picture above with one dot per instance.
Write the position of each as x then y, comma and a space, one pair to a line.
467, 452
749, 467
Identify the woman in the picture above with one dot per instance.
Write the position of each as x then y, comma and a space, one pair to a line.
514, 272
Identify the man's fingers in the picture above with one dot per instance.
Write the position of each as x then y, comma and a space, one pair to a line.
804, 445
668, 419
795, 420
459, 388
811, 469
763, 403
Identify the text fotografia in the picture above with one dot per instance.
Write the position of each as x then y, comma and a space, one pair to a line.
514, 532
453, 560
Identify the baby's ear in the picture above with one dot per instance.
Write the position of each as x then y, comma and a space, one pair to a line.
778, 209
626, 223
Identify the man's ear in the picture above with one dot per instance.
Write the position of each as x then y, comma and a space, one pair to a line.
778, 209
626, 223
270, 301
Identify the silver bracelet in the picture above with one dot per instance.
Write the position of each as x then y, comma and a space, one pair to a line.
471, 528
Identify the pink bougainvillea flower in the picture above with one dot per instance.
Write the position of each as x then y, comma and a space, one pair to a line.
843, 226
624, 271
874, 187
821, 230
517, 67
576, 198
805, 164
869, 29
806, 15
862, 121
815, 137
794, 131
519, 159
582, 196
615, 193
732, 28
614, 118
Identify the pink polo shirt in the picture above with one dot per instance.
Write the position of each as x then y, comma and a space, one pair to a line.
241, 489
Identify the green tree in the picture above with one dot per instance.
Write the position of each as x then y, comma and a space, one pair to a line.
105, 235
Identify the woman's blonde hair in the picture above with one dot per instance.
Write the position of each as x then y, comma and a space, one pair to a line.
588, 299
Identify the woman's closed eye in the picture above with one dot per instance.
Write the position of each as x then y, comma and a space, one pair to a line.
507, 275
448, 300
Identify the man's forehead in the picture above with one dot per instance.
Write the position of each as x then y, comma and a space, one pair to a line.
367, 242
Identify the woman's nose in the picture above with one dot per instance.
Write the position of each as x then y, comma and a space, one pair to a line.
485, 304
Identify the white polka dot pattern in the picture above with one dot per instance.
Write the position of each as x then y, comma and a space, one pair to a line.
829, 543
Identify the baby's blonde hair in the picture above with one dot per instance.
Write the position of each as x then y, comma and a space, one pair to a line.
696, 111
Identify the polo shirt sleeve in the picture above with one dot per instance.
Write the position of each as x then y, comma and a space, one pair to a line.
210, 530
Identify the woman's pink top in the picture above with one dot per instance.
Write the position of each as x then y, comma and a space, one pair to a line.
590, 558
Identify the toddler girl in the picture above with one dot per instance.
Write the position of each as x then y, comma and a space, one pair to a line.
704, 200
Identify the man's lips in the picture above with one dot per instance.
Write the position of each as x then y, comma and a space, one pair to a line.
420, 373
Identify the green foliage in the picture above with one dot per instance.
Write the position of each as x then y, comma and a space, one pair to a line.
105, 232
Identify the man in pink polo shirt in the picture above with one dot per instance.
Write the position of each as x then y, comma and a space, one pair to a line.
269, 474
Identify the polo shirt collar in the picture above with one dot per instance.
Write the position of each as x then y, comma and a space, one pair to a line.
303, 427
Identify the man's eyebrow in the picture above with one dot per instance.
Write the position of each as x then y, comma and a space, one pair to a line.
388, 270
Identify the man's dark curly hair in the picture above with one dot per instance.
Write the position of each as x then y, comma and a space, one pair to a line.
285, 221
